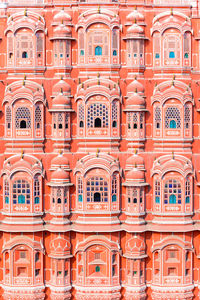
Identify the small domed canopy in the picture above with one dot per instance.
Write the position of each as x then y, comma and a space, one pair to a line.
61, 17
135, 174
135, 85
60, 177
135, 103
135, 15
135, 29
135, 177
135, 248
61, 102
60, 248
62, 32
60, 161
134, 160
61, 86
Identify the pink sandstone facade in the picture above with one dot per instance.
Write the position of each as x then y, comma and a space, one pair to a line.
100, 149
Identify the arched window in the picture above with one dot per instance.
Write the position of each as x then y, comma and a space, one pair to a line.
24, 54
21, 192
99, 111
157, 117
114, 114
114, 188
172, 117
97, 197
23, 118
172, 124
81, 115
6, 191
187, 117
38, 117
157, 192
60, 121
172, 48
172, 192
80, 190
22, 124
172, 199
8, 117
187, 191
97, 122
97, 189
98, 51
36, 190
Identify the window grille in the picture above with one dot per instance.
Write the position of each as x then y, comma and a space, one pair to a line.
21, 193
38, 117
157, 191
172, 113
36, 190
80, 189
172, 192
6, 191
22, 113
97, 185
97, 110
8, 117
187, 117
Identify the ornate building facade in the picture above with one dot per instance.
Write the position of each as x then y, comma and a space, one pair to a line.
99, 149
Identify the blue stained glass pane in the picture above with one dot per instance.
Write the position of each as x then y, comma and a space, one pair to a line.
157, 199
170, 185
114, 198
21, 199
187, 199
28, 201
7, 200
179, 201
37, 200
14, 201
114, 53
172, 199
172, 124
171, 54
98, 51
80, 198
157, 55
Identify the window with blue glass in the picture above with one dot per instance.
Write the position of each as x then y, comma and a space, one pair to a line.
21, 193
171, 54
98, 51
172, 124
114, 188
114, 52
6, 191
80, 190
36, 190
187, 191
97, 189
157, 192
172, 192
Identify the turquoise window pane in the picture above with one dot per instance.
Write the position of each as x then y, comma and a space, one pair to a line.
187, 199
7, 200
97, 269
172, 199
172, 124
80, 198
98, 51
157, 199
82, 52
114, 198
114, 53
37, 200
21, 199
157, 55
171, 54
